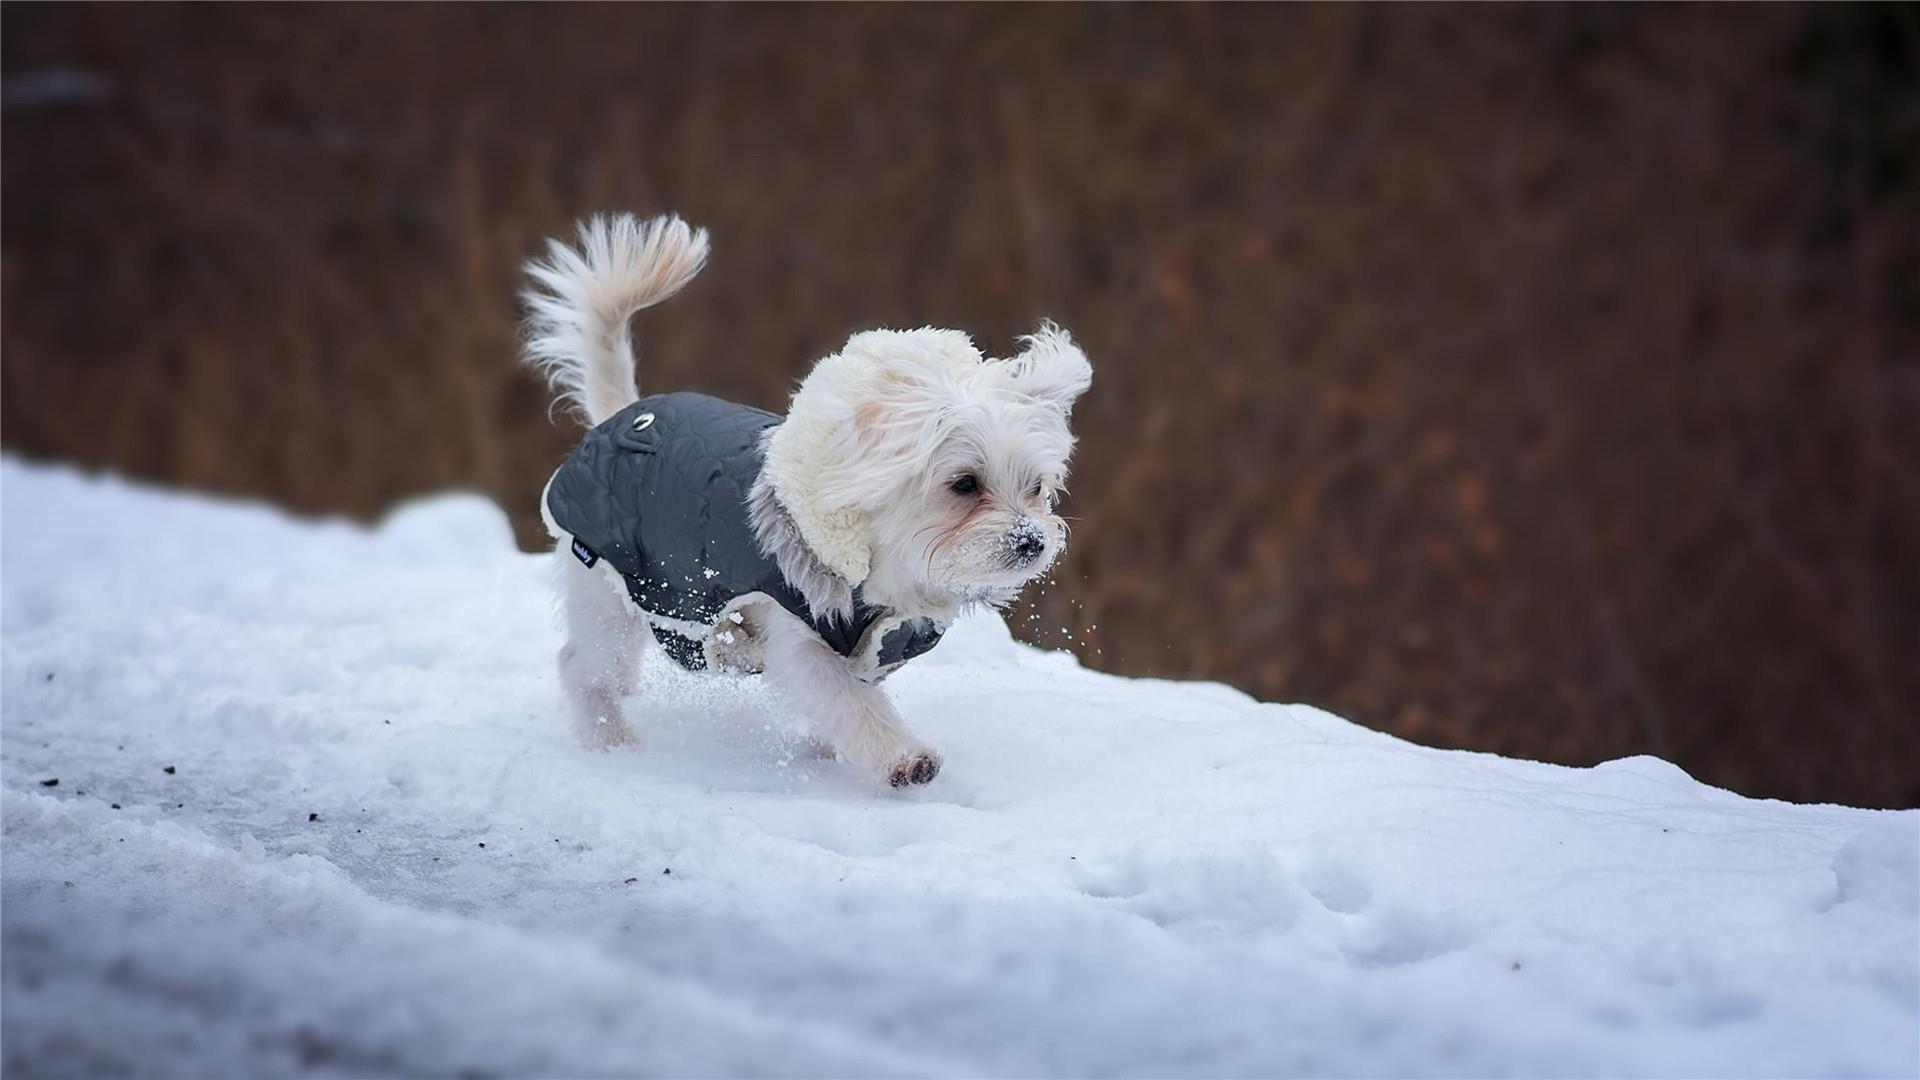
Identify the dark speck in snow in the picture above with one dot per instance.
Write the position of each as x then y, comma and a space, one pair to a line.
313, 817
168, 770
49, 676
483, 843
1515, 967
55, 782
668, 870
116, 806
630, 881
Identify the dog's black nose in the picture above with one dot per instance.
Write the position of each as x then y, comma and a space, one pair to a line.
1026, 541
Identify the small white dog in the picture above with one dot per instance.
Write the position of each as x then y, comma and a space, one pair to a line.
910, 478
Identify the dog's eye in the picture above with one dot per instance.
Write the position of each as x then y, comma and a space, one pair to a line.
965, 485
1038, 486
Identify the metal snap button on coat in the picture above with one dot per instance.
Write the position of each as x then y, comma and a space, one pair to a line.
643, 421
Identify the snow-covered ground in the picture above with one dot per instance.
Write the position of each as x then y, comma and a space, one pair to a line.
317, 811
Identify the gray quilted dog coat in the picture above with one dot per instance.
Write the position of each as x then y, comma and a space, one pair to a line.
659, 490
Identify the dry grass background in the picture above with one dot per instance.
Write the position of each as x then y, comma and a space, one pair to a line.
1537, 379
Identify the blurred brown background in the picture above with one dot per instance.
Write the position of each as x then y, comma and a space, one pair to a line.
1537, 379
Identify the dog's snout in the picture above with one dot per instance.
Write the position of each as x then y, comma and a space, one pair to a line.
1027, 540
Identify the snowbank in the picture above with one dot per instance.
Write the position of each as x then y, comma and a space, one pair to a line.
318, 811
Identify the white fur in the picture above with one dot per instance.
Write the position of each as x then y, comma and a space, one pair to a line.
855, 492
605, 642
582, 299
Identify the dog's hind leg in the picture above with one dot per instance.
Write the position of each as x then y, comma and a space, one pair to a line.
601, 658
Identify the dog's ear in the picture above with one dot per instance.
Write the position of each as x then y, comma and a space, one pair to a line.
930, 351
901, 378
1051, 367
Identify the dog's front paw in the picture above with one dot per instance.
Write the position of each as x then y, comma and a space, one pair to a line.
605, 733
919, 768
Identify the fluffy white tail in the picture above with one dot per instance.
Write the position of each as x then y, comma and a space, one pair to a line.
580, 298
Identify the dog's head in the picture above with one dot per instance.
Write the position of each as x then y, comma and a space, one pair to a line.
916, 467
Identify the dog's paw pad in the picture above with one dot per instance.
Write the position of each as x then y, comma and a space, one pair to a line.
918, 769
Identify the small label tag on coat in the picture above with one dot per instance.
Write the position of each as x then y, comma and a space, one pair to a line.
585, 554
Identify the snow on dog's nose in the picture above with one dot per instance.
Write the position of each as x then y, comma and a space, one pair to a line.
1026, 541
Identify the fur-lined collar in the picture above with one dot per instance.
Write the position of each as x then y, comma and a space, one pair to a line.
827, 590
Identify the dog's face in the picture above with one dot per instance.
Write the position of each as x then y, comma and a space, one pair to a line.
951, 462
975, 514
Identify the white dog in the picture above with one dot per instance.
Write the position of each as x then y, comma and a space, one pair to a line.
910, 478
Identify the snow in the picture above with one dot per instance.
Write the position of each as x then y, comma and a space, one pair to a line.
380, 851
